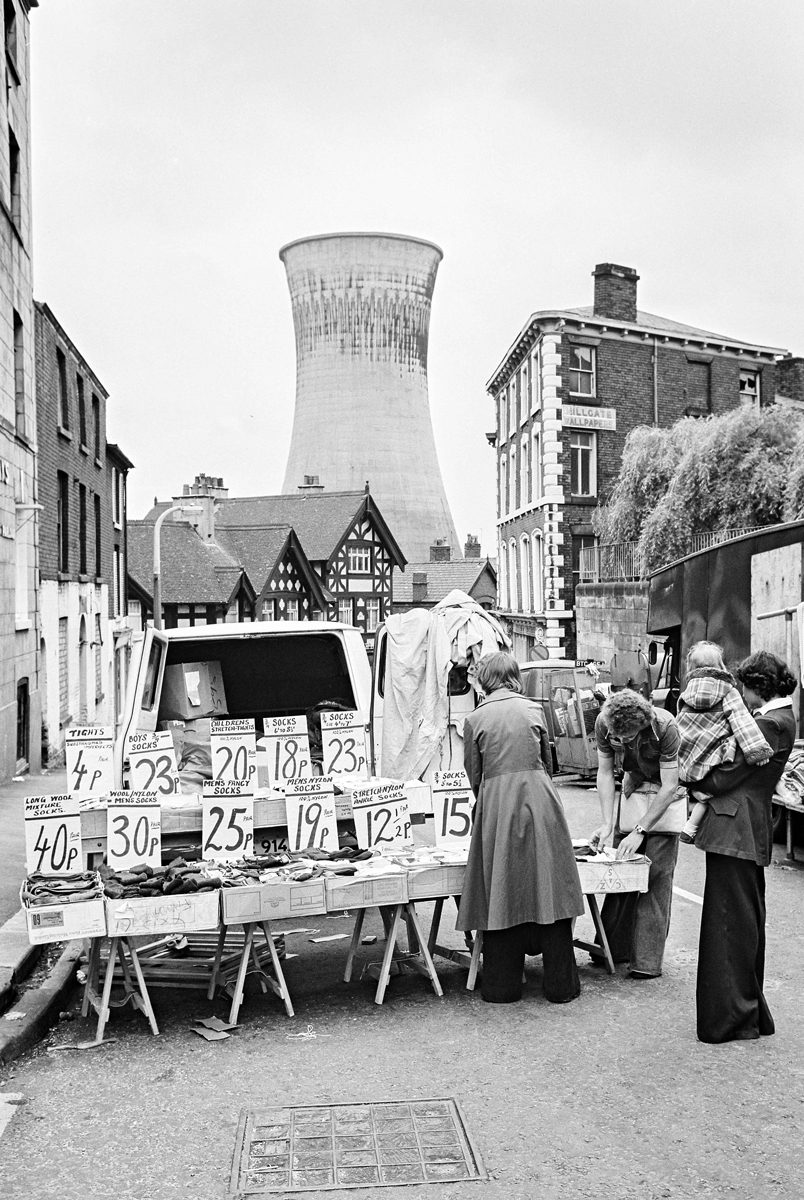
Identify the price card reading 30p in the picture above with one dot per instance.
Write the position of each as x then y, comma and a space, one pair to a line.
234, 751
133, 830
227, 822
52, 834
90, 760
310, 805
453, 802
343, 740
382, 819
152, 763
288, 749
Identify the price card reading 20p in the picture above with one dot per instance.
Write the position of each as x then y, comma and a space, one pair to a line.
382, 818
90, 760
234, 751
152, 763
288, 749
453, 802
52, 834
310, 805
343, 740
227, 822
133, 830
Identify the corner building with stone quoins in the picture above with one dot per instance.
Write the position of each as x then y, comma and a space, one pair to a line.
567, 392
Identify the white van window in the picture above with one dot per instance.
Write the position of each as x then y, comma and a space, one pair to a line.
151, 675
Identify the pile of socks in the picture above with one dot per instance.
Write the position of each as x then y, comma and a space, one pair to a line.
41, 890
177, 877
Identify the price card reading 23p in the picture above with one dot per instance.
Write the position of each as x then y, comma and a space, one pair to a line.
133, 830
227, 822
310, 805
382, 818
234, 751
288, 749
52, 834
453, 802
152, 763
343, 740
90, 760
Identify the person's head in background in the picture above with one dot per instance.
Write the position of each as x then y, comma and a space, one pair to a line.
626, 714
705, 655
764, 677
498, 670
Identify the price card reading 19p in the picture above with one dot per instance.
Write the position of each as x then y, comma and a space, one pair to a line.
90, 760
382, 819
234, 752
52, 834
310, 804
227, 822
152, 763
453, 802
287, 749
133, 830
343, 739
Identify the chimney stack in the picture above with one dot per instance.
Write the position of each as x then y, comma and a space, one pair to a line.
440, 551
419, 587
472, 546
615, 292
311, 484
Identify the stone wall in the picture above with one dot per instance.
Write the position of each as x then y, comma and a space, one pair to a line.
610, 617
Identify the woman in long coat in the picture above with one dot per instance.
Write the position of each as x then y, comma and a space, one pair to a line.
521, 886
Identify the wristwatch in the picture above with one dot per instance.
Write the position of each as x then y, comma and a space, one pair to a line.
640, 830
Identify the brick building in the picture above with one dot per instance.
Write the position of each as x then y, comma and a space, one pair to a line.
567, 392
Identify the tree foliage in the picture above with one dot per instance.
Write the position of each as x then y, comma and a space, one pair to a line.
649, 462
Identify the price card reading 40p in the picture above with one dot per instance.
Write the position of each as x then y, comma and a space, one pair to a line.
227, 822
310, 804
288, 749
382, 819
234, 751
133, 830
343, 739
453, 802
152, 763
90, 760
52, 834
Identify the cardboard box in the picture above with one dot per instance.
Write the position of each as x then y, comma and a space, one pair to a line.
272, 900
366, 891
64, 922
191, 690
427, 883
621, 875
180, 913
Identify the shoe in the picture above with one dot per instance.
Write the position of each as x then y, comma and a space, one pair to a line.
642, 975
689, 838
598, 961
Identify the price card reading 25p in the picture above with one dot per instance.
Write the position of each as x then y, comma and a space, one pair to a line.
152, 762
310, 804
288, 749
382, 819
90, 760
52, 834
227, 822
343, 739
133, 830
234, 751
453, 802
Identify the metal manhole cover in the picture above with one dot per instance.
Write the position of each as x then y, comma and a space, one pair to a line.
323, 1147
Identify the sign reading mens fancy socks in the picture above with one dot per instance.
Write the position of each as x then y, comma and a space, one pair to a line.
227, 822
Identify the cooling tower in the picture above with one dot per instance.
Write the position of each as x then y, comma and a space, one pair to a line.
361, 313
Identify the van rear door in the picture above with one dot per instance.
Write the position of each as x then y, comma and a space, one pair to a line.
142, 698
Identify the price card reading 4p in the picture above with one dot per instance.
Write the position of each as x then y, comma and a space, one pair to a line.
90, 760
234, 751
453, 802
133, 830
227, 822
343, 739
382, 818
310, 804
288, 749
152, 763
52, 834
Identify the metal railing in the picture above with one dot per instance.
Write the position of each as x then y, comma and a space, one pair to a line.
621, 562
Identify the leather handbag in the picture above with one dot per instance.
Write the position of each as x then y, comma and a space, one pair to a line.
632, 810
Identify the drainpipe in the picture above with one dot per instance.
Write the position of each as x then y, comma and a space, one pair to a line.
656, 381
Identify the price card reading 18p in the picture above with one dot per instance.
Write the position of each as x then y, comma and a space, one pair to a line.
52, 834
453, 802
227, 822
234, 751
90, 760
382, 819
288, 749
133, 830
343, 739
310, 804
152, 763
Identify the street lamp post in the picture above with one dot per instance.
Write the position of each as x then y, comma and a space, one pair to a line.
182, 508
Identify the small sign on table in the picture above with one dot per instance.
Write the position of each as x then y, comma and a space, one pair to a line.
227, 822
52, 834
90, 761
382, 817
453, 802
288, 749
343, 740
310, 804
234, 751
152, 763
133, 830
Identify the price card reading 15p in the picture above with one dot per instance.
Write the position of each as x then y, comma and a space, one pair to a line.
310, 805
288, 749
382, 819
234, 751
227, 822
343, 740
133, 830
52, 834
152, 763
90, 760
453, 802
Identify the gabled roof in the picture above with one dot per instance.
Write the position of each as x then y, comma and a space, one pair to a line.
442, 578
261, 547
193, 571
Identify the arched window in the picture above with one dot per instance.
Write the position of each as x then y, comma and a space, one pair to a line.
502, 577
524, 571
503, 485
538, 571
513, 588
524, 482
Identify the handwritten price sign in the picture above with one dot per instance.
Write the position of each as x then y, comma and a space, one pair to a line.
227, 822
453, 802
311, 816
152, 763
234, 752
343, 739
52, 834
382, 819
90, 760
288, 749
133, 830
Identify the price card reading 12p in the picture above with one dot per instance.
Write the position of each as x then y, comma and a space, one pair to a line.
52, 834
227, 822
234, 751
343, 740
288, 749
152, 763
382, 818
310, 805
133, 830
453, 802
90, 760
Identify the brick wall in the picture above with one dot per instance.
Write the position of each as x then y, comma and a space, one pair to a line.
610, 617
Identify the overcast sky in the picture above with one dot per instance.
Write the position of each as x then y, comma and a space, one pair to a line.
177, 144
